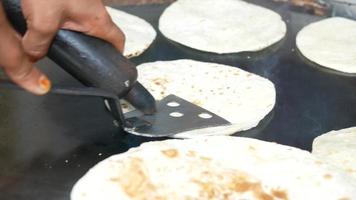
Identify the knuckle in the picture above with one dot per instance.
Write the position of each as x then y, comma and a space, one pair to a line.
100, 19
44, 27
105, 18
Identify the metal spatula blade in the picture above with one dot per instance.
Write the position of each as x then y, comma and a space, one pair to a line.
174, 115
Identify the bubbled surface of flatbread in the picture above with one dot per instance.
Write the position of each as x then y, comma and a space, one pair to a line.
224, 26
240, 97
338, 148
139, 33
214, 168
330, 43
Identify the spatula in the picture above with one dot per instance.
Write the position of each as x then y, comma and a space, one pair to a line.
108, 74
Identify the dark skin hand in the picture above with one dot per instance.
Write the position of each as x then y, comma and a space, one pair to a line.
44, 18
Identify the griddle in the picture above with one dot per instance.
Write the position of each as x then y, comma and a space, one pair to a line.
47, 143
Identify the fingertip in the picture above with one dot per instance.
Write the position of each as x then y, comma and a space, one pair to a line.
41, 86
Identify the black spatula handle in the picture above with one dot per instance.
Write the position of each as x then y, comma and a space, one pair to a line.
92, 61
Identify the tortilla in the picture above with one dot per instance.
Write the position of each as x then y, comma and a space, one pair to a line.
330, 43
139, 33
240, 97
224, 26
214, 168
338, 148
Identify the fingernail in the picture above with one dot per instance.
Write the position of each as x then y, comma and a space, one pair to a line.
44, 84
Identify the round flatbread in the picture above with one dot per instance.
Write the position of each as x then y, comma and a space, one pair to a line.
139, 33
214, 168
338, 148
240, 97
224, 26
330, 43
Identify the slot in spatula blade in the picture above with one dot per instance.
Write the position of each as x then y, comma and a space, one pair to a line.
174, 115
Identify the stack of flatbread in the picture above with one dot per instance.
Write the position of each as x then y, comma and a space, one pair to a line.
214, 168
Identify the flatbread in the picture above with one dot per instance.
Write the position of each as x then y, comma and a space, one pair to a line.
338, 148
240, 97
330, 43
224, 26
214, 168
139, 33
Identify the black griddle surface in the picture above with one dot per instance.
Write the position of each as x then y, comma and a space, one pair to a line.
47, 143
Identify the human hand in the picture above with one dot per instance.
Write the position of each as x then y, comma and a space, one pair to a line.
44, 18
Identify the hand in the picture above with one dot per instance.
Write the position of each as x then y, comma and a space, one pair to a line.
44, 18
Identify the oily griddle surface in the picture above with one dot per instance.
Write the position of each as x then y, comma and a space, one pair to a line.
47, 143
